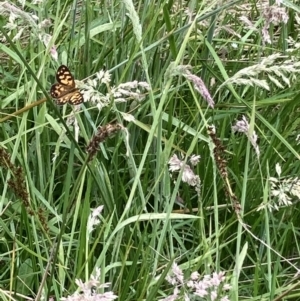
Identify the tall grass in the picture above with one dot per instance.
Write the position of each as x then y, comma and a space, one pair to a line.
176, 178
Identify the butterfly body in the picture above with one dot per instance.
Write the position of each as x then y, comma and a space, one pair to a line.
65, 91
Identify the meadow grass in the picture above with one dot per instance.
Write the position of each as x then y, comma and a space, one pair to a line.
176, 178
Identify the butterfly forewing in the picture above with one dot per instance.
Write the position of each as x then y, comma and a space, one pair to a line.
65, 90
64, 76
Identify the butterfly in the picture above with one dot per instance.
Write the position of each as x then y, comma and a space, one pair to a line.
65, 90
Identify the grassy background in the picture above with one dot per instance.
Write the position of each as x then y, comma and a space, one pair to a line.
143, 230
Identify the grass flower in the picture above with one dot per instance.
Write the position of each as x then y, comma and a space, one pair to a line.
209, 287
275, 67
89, 291
197, 82
103, 76
27, 24
13, 12
122, 93
130, 91
93, 219
282, 192
46, 38
274, 15
172, 297
195, 159
242, 126
177, 277
188, 175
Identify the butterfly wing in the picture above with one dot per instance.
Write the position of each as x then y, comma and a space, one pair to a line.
75, 98
65, 90
60, 93
64, 77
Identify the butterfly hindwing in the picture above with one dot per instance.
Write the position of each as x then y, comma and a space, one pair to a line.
76, 98
65, 89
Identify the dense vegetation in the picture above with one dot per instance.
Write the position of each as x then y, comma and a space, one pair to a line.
175, 177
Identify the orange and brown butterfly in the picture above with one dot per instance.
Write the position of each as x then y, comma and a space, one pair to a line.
65, 89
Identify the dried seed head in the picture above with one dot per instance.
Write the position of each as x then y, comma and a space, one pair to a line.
102, 134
